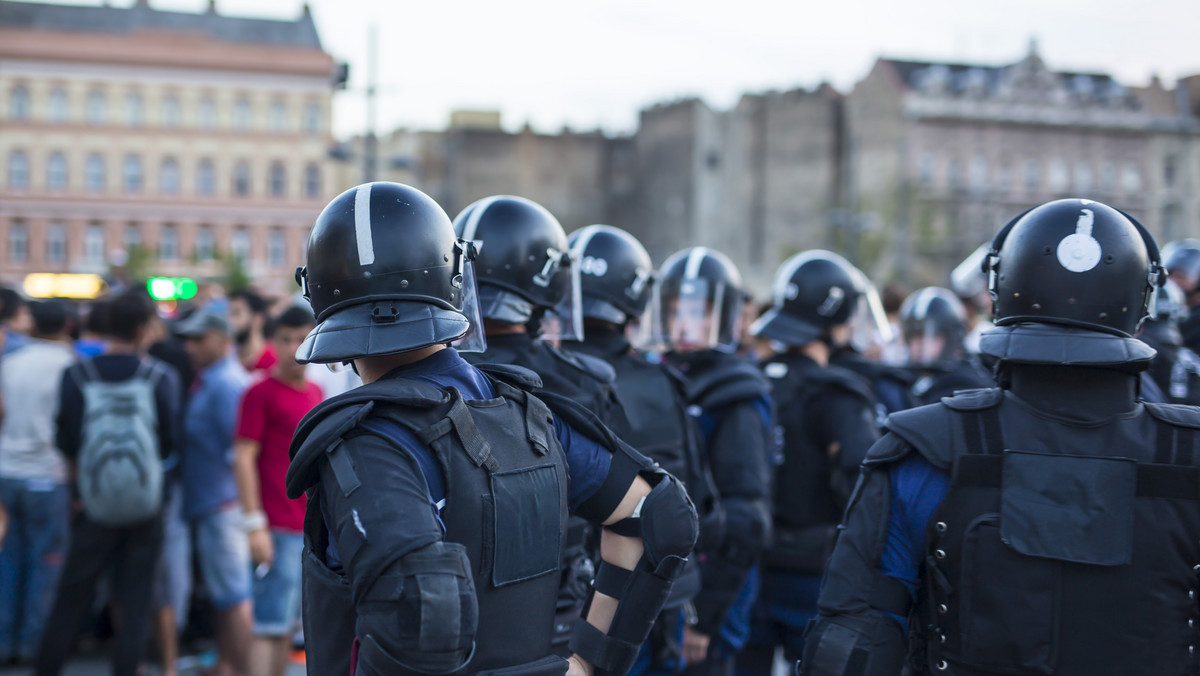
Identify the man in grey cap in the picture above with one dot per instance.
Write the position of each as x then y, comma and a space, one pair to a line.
210, 497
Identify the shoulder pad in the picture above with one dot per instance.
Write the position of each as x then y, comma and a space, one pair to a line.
890, 448
844, 379
594, 367
1176, 415
729, 382
331, 419
517, 376
928, 429
975, 400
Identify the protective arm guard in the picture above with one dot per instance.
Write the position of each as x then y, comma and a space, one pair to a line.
667, 523
420, 616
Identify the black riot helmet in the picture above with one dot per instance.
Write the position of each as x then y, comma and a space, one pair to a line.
1182, 260
615, 273
933, 323
700, 297
814, 292
385, 274
1071, 282
525, 267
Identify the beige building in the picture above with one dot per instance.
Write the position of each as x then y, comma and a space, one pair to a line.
943, 154
187, 137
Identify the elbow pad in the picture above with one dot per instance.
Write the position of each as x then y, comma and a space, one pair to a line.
667, 523
421, 614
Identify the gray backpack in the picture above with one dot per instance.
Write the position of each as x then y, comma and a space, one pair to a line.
120, 470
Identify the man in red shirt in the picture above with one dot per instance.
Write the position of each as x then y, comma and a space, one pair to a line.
269, 414
248, 314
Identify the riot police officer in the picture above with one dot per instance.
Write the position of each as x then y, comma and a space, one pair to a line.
529, 296
1050, 526
933, 323
701, 300
1183, 264
867, 333
1175, 373
827, 418
617, 283
439, 492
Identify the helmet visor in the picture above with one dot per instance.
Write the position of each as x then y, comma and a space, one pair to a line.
563, 322
474, 339
703, 315
645, 332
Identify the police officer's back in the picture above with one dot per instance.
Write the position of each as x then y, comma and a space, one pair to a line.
1182, 260
616, 288
701, 301
933, 323
1050, 526
827, 417
439, 492
1176, 369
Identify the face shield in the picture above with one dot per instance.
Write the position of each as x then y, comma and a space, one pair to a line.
870, 330
933, 323
474, 339
701, 315
563, 322
645, 333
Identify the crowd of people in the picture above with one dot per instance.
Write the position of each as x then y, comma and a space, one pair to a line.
142, 463
542, 454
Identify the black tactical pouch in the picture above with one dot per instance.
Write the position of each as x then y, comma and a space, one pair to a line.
527, 524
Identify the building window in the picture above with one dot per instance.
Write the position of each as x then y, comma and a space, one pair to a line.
241, 179
979, 173
1131, 178
205, 244
93, 243
277, 248
93, 172
206, 178
312, 181
168, 177
1002, 177
18, 242
168, 243
134, 109
1171, 217
925, 171
312, 118
240, 244
1083, 178
278, 180
131, 172
97, 108
206, 113
241, 115
58, 105
1170, 170
278, 116
1033, 175
18, 170
56, 172
954, 174
133, 237
1108, 178
1057, 175
171, 113
18, 103
56, 243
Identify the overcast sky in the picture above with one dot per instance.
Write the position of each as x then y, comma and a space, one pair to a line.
590, 64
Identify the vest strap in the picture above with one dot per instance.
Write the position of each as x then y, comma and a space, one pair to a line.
982, 431
538, 423
458, 420
890, 595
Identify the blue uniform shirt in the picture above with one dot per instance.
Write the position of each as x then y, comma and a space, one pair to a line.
918, 488
588, 462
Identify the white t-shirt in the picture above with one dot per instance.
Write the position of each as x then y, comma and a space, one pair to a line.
30, 379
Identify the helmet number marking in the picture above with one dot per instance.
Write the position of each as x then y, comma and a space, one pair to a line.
1079, 251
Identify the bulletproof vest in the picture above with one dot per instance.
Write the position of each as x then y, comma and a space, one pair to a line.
892, 385
506, 503
810, 491
1059, 549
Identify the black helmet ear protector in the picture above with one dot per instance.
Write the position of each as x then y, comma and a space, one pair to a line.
1158, 273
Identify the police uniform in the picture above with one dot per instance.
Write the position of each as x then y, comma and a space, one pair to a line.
934, 325
616, 287
827, 420
439, 492
1050, 527
730, 400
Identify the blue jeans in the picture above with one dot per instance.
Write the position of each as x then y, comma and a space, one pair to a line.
277, 591
31, 557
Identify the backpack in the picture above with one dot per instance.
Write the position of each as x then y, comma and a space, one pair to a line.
120, 470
